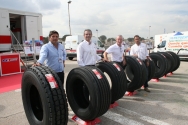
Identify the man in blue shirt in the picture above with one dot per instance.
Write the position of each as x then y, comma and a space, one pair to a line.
54, 54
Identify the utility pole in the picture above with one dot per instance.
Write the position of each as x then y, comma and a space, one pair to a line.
69, 16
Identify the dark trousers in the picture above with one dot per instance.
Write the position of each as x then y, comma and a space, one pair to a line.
146, 82
61, 76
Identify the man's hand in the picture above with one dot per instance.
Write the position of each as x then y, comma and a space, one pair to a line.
105, 60
36, 64
124, 62
135, 55
147, 63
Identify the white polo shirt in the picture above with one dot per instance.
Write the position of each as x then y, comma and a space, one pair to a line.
87, 54
116, 52
140, 50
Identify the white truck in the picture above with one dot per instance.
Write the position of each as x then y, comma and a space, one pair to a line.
175, 42
72, 42
19, 26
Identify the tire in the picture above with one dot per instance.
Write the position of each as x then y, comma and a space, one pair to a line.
177, 60
151, 69
170, 62
134, 71
43, 104
160, 64
98, 88
70, 58
117, 78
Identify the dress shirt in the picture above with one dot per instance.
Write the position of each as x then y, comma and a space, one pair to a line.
140, 50
116, 52
52, 56
87, 54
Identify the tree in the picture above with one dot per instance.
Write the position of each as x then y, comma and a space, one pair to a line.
64, 37
130, 39
110, 39
142, 38
151, 37
103, 38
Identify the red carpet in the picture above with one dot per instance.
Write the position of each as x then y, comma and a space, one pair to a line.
11, 82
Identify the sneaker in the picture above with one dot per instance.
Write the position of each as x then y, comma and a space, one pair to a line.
146, 89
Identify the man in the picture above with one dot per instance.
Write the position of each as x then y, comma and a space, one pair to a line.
54, 54
139, 50
87, 51
117, 51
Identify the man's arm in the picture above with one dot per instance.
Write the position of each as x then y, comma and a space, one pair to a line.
64, 56
105, 56
80, 55
42, 56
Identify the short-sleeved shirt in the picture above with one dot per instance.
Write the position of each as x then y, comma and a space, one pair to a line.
116, 52
140, 50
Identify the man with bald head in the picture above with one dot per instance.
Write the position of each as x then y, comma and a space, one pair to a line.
117, 52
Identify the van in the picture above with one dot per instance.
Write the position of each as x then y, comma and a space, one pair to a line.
175, 42
72, 42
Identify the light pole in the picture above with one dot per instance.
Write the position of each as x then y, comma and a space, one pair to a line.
69, 16
149, 32
97, 32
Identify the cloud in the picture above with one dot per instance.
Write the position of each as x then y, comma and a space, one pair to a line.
111, 18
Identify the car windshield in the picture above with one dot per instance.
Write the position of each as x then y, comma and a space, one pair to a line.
162, 44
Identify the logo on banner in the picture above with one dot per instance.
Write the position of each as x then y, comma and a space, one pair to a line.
9, 59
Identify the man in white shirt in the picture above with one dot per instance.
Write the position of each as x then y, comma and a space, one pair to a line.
117, 51
139, 50
87, 51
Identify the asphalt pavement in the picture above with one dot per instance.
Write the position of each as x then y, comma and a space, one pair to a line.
166, 104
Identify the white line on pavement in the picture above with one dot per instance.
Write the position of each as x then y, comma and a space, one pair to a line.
142, 117
120, 119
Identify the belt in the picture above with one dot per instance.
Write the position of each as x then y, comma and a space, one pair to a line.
90, 65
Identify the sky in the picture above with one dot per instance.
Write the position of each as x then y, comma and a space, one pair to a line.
146, 18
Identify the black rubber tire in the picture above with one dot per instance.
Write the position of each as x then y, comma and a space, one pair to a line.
151, 69
117, 77
70, 58
177, 60
170, 61
133, 71
144, 72
43, 104
160, 64
98, 88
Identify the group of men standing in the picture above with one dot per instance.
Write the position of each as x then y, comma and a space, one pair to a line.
55, 55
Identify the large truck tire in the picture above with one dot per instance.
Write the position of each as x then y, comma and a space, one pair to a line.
44, 102
98, 88
160, 64
151, 69
144, 72
117, 77
170, 62
134, 71
177, 60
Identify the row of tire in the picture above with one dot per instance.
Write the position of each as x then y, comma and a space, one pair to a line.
160, 64
88, 90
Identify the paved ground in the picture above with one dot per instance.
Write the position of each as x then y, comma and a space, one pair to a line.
167, 104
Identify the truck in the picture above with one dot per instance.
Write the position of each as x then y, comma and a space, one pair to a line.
176, 42
18, 26
72, 42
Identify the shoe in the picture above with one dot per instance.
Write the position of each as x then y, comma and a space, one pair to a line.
146, 89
